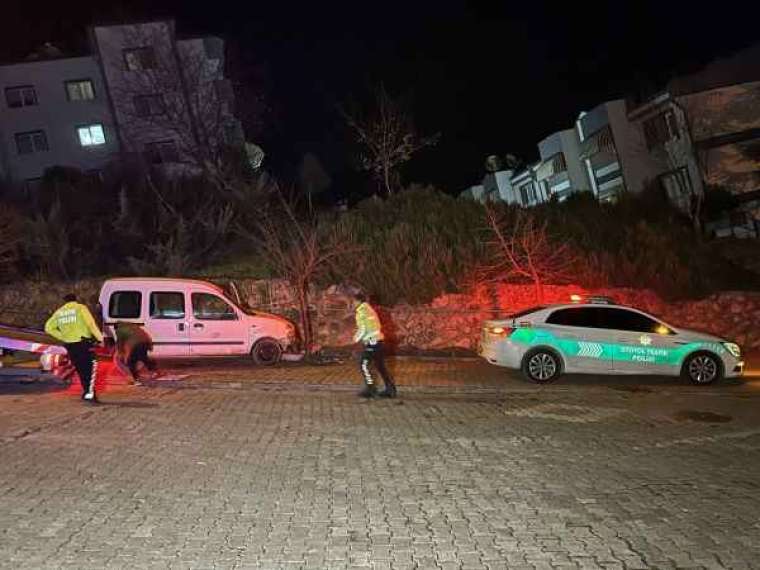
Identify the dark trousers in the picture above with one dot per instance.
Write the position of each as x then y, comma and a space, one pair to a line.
81, 356
139, 353
375, 354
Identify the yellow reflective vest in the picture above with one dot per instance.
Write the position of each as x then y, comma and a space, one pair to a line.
368, 328
73, 322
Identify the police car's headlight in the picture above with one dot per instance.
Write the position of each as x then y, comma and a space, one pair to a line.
733, 348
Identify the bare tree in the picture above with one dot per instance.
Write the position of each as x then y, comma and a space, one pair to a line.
299, 248
177, 91
522, 250
386, 136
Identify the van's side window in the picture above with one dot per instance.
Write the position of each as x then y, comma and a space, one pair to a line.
125, 305
164, 305
207, 307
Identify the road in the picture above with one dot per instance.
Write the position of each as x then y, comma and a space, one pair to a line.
228, 466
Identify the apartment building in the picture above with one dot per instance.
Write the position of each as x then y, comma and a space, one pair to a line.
52, 113
141, 95
561, 172
703, 130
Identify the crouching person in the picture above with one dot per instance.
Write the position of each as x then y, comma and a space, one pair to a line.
132, 345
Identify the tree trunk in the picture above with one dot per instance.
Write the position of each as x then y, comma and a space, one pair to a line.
539, 288
303, 308
387, 179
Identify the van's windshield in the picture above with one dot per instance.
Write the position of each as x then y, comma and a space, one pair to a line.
242, 307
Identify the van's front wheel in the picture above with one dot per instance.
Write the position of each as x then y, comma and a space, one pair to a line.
266, 352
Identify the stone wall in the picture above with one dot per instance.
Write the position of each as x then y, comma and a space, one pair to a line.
455, 320
30, 303
449, 322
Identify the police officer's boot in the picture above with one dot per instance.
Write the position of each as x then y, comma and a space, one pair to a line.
389, 391
369, 391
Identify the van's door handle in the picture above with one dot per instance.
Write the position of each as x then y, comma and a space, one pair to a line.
198, 325
181, 327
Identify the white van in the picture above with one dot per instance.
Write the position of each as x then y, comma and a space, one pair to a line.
188, 318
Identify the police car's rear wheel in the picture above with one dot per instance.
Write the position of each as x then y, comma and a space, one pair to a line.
266, 352
541, 366
702, 368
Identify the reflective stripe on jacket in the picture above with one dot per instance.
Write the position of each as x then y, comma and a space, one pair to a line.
368, 328
71, 323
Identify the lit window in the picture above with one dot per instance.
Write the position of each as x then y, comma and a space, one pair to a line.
141, 58
24, 96
80, 90
31, 142
91, 135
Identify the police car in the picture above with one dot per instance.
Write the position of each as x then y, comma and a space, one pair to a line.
597, 336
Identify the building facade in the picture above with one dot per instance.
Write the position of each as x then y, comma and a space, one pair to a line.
561, 172
141, 95
52, 113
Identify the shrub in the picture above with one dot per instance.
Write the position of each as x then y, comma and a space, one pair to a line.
415, 244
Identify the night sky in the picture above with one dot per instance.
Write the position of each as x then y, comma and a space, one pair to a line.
492, 78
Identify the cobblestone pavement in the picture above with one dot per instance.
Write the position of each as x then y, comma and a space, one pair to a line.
472, 468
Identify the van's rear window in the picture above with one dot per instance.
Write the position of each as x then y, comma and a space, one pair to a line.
125, 305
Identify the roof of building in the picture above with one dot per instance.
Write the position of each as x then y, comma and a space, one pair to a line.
740, 67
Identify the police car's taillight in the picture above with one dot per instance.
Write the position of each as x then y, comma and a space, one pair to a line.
501, 331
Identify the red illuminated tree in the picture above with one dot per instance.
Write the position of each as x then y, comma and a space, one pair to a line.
299, 247
521, 249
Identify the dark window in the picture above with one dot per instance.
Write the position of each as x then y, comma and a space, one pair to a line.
149, 105
32, 185
167, 305
94, 175
80, 90
575, 317
161, 152
207, 307
660, 129
125, 305
623, 320
23, 96
31, 142
233, 133
524, 195
137, 59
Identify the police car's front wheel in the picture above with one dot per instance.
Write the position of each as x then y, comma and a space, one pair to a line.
702, 368
541, 366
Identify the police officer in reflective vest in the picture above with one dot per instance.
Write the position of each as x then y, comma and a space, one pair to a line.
74, 325
370, 334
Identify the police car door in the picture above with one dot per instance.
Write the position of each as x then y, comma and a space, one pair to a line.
643, 345
582, 343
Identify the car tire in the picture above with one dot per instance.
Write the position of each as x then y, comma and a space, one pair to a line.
541, 365
702, 368
266, 352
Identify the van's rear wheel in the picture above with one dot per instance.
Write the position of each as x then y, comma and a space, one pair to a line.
266, 352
